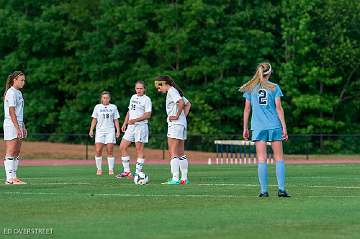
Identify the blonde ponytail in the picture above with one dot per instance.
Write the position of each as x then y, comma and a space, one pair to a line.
263, 69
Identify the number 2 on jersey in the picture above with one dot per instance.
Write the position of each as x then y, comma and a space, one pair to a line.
262, 97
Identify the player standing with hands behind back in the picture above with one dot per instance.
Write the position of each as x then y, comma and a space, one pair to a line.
105, 117
177, 109
14, 127
267, 124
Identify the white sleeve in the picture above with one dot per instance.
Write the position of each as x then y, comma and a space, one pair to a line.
174, 94
185, 100
148, 105
116, 112
95, 113
10, 98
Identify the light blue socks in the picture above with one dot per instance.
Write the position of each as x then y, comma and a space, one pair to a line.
280, 174
263, 178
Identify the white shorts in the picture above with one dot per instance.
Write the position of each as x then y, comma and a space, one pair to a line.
177, 131
137, 133
10, 132
105, 138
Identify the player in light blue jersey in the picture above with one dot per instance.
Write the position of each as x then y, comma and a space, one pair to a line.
267, 124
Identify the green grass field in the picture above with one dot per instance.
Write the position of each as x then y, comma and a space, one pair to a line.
221, 202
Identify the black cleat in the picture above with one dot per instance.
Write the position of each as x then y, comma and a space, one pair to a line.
264, 195
283, 194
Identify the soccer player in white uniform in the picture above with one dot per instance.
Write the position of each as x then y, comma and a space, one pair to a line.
14, 127
105, 117
177, 109
136, 129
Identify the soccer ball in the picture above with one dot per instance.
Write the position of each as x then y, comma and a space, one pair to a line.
141, 179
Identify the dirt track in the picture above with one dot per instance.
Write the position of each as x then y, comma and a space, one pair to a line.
63, 162
45, 153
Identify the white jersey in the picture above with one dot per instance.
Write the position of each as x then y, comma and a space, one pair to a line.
13, 98
172, 97
105, 116
138, 106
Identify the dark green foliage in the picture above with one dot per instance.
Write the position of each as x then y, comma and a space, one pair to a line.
72, 50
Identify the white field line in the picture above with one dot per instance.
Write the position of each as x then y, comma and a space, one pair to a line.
211, 185
60, 183
4, 185
43, 178
322, 177
172, 195
256, 185
294, 177
130, 195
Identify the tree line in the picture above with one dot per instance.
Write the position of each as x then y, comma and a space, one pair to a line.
71, 50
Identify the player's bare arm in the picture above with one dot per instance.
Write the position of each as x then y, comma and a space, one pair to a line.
12, 114
25, 133
92, 126
117, 126
145, 116
180, 105
247, 110
126, 122
187, 108
280, 112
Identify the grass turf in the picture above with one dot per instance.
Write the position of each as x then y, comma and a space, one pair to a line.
220, 202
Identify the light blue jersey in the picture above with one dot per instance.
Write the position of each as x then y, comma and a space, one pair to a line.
264, 115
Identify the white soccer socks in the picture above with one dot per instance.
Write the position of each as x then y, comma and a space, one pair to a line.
16, 162
111, 163
126, 163
98, 161
9, 164
175, 167
184, 166
139, 165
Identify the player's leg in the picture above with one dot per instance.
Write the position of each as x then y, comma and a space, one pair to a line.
175, 135
184, 164
126, 141
174, 162
9, 161
110, 157
140, 157
280, 167
110, 141
141, 137
125, 158
100, 140
98, 157
262, 167
12, 149
125, 155
17, 161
